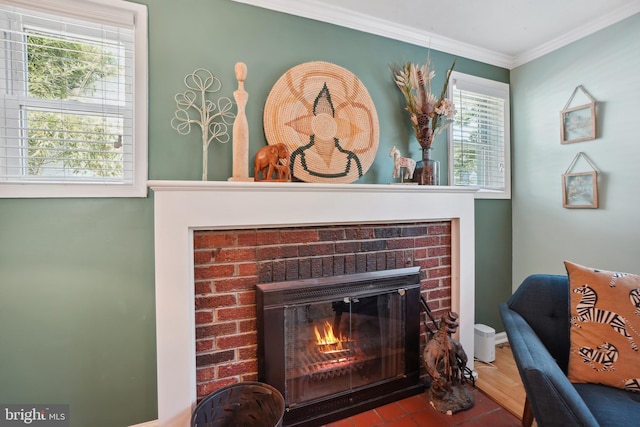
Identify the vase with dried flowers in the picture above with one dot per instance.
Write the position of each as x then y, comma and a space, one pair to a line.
429, 114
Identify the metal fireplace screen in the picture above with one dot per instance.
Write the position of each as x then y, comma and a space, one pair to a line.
322, 340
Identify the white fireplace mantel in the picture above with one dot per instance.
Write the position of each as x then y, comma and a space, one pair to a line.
183, 206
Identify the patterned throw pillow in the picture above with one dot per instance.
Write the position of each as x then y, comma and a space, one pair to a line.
605, 327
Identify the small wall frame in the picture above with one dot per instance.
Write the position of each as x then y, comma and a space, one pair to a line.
578, 123
580, 189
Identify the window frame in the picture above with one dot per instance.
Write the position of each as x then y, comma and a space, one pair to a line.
492, 88
111, 12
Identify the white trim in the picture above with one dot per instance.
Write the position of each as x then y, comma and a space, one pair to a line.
319, 11
585, 30
137, 19
183, 206
489, 88
314, 9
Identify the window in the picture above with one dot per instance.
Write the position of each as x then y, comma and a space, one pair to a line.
73, 99
479, 150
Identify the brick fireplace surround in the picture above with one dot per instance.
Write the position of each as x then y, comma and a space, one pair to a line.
230, 263
191, 216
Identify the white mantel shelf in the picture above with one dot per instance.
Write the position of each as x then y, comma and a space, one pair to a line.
180, 207
161, 185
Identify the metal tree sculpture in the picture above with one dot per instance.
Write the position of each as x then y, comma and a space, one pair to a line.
214, 117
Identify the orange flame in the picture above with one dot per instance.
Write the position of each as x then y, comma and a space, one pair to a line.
328, 338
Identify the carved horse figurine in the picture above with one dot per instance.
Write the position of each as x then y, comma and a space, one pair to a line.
408, 164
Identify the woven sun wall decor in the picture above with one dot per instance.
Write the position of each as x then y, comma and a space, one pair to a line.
326, 118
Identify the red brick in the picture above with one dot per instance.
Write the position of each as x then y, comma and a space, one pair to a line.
427, 263
316, 267
213, 271
438, 251
216, 330
235, 313
276, 252
207, 359
227, 300
291, 269
358, 233
234, 255
237, 368
429, 284
445, 260
437, 293
388, 232
248, 353
204, 345
440, 228
420, 253
249, 377
331, 234
278, 271
304, 268
428, 241
247, 298
204, 317
306, 250
236, 341
374, 245
247, 269
246, 238
249, 325
347, 247
270, 237
438, 272
203, 288
235, 284
405, 243
203, 239
299, 235
414, 230
210, 387
205, 374
201, 257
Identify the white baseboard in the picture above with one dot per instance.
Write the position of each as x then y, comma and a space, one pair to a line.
501, 338
152, 423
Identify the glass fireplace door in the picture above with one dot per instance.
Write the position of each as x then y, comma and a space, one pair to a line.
336, 346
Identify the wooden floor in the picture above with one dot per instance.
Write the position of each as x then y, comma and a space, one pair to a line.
500, 380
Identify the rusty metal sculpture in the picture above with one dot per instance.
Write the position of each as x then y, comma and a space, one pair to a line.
445, 361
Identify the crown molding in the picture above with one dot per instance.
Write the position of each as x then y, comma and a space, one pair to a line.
583, 31
362, 22
316, 10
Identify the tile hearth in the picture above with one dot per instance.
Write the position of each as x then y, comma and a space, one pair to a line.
415, 411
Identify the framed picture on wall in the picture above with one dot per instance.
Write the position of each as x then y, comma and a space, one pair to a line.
578, 123
580, 190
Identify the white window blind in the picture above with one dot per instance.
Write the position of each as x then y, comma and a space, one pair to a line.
68, 107
479, 153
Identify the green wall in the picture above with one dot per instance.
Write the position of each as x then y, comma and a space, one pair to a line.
77, 318
545, 234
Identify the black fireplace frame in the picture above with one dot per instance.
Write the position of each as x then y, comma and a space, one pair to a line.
271, 299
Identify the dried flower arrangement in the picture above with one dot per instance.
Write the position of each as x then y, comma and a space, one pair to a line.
429, 114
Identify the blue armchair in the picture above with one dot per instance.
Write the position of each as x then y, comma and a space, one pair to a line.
536, 320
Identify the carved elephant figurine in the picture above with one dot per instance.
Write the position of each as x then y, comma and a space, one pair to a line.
272, 163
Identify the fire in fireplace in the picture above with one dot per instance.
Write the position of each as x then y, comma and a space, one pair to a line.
336, 346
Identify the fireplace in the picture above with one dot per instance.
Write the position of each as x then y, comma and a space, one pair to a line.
335, 346
182, 207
